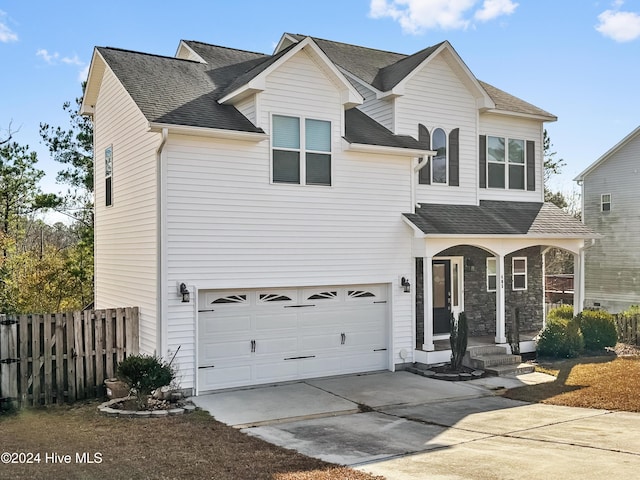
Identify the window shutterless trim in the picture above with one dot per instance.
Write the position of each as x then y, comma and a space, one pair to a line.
519, 274
605, 202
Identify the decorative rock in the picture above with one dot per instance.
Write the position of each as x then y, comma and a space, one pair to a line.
189, 408
143, 413
176, 411
159, 413
128, 413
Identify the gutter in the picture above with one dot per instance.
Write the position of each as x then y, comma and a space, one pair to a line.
161, 287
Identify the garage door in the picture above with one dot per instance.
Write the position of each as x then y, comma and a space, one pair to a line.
249, 337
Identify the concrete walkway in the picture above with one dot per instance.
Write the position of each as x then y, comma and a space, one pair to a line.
404, 426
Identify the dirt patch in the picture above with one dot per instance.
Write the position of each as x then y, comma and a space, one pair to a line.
186, 446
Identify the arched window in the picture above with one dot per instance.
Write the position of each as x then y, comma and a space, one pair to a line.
439, 144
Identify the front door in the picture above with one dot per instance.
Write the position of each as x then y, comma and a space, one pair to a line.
441, 296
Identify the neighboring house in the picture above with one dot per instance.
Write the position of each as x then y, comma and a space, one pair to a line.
611, 207
323, 209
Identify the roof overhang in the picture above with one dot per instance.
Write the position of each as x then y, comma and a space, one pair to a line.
208, 132
94, 81
544, 118
386, 150
349, 95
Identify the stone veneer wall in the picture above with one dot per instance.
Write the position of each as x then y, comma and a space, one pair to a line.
479, 304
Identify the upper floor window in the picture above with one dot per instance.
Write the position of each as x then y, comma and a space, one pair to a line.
443, 168
605, 202
108, 175
439, 144
301, 150
506, 163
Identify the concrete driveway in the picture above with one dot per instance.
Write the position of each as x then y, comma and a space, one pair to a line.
405, 426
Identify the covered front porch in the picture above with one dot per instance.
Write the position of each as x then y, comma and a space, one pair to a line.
487, 261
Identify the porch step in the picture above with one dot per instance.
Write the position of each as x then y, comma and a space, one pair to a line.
507, 370
495, 361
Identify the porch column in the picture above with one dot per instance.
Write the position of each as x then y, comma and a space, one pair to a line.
578, 282
427, 268
500, 302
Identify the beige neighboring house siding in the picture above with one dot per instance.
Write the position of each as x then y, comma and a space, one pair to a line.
229, 228
613, 263
436, 98
125, 232
498, 125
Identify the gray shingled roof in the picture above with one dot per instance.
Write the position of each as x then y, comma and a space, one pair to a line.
360, 128
509, 103
498, 218
179, 92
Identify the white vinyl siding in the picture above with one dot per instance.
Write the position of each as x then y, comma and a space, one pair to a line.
509, 127
229, 228
247, 107
125, 243
437, 98
613, 262
381, 110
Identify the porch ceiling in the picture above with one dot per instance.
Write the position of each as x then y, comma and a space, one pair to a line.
497, 218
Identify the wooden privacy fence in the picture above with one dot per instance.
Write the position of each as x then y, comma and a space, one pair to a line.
53, 358
628, 328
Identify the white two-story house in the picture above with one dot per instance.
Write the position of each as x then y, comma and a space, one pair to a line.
318, 211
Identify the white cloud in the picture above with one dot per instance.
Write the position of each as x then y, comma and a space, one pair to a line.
47, 57
6, 34
620, 26
495, 8
416, 16
55, 59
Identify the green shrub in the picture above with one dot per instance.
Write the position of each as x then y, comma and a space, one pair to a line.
563, 312
458, 339
145, 373
598, 329
560, 339
632, 310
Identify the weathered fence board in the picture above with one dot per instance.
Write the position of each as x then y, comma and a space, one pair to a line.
628, 328
53, 358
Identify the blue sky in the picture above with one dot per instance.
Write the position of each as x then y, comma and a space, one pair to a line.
578, 59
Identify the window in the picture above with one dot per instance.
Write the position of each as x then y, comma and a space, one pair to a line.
108, 175
301, 150
439, 144
519, 273
491, 274
605, 202
506, 163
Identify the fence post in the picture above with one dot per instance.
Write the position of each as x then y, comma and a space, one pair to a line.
9, 359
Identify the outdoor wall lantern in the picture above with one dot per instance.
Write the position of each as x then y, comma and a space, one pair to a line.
469, 264
184, 291
404, 283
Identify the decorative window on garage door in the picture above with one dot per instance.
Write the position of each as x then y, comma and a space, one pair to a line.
328, 295
360, 294
230, 299
274, 297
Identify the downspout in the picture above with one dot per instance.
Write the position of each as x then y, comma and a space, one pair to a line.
161, 287
419, 166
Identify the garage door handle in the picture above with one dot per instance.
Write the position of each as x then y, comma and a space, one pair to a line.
253, 346
298, 306
343, 338
206, 366
299, 358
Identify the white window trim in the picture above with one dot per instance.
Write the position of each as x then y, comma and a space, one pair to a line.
602, 202
513, 274
494, 260
506, 164
446, 157
302, 151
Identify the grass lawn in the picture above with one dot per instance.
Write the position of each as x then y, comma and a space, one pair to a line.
606, 382
186, 446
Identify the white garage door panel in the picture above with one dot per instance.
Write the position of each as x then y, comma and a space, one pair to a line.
294, 334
